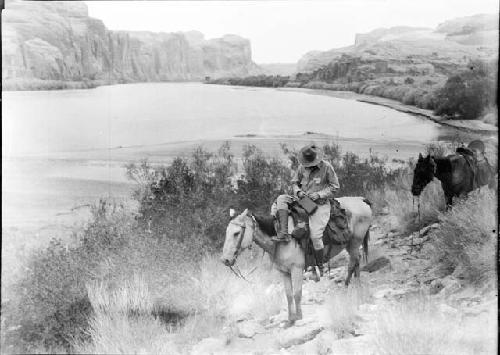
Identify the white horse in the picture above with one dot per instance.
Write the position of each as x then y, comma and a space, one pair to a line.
289, 258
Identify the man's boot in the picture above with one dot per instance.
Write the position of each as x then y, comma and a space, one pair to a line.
282, 233
318, 269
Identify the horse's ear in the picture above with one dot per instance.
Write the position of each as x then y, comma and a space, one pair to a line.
245, 212
420, 157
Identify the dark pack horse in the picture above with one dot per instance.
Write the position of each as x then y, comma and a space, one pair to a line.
458, 176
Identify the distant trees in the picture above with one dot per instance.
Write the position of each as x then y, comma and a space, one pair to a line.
271, 81
469, 93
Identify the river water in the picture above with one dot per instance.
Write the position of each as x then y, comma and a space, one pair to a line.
40, 128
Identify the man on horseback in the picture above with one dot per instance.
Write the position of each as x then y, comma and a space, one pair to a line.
316, 179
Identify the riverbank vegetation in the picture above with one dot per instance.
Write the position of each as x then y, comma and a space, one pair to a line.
39, 84
133, 278
268, 81
456, 92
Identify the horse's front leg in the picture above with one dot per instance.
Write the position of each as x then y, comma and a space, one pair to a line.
287, 282
449, 200
297, 277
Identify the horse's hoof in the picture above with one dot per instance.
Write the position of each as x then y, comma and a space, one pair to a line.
287, 324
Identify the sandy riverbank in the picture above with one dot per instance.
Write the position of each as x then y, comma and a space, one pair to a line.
471, 126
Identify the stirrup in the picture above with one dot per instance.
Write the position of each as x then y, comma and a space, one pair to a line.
284, 239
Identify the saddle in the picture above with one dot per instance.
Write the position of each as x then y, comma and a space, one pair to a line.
336, 231
481, 170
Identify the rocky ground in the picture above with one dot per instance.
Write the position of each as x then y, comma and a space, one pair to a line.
398, 270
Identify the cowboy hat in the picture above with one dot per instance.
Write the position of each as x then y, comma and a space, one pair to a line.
310, 155
477, 144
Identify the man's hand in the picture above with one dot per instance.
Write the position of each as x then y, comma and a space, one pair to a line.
300, 194
314, 196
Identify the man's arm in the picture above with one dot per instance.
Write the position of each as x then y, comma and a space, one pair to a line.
296, 179
332, 183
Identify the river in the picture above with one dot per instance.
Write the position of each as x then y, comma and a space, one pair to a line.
63, 149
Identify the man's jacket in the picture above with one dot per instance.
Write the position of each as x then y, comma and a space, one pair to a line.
320, 178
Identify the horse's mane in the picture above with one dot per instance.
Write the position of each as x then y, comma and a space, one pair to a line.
266, 224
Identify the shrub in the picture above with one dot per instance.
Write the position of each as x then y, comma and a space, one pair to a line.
409, 80
468, 94
467, 237
52, 305
191, 201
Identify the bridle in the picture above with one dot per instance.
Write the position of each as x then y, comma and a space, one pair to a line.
421, 185
238, 250
243, 227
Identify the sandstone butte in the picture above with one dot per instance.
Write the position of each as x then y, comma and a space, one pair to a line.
59, 41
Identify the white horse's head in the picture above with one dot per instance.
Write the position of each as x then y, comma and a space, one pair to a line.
239, 236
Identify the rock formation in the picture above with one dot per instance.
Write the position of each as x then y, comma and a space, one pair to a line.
59, 41
454, 42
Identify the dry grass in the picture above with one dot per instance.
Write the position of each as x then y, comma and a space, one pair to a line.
417, 326
122, 321
344, 306
222, 298
124, 318
131, 296
467, 237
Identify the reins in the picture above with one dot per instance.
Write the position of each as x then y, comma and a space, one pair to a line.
419, 220
236, 270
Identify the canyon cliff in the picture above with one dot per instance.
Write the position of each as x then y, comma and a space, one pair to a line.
58, 41
453, 43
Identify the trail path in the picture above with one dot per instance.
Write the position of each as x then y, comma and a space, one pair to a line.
396, 271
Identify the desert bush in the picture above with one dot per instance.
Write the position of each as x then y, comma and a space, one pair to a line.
467, 237
409, 80
469, 93
191, 202
417, 325
52, 305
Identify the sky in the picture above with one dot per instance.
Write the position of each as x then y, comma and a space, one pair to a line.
283, 31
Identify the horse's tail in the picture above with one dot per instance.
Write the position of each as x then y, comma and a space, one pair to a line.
367, 201
366, 239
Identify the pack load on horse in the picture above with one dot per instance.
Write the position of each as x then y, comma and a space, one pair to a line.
311, 210
459, 173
